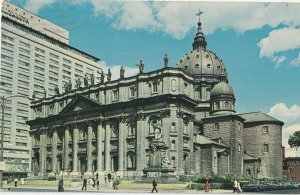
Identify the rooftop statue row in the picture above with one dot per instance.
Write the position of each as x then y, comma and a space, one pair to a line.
68, 85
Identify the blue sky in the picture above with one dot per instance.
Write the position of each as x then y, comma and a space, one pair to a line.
258, 42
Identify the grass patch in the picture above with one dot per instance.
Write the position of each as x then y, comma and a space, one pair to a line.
45, 183
128, 184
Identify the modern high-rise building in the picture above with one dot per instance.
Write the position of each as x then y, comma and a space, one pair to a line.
35, 58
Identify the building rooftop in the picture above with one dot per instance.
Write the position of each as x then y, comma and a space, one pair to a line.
258, 117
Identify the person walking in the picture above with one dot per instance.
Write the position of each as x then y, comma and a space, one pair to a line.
115, 184
239, 190
84, 184
16, 182
109, 177
154, 184
235, 186
22, 181
98, 183
61, 185
105, 177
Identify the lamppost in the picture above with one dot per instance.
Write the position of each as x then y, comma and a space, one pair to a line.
2, 131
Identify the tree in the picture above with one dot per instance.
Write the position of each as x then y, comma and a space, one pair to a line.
294, 140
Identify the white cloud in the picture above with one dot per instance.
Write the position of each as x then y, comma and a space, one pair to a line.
296, 61
115, 70
35, 5
282, 112
278, 61
286, 132
279, 40
177, 18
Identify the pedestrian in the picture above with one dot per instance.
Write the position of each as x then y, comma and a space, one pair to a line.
105, 177
84, 184
115, 184
109, 177
22, 181
16, 182
154, 184
98, 183
94, 182
235, 186
239, 190
61, 185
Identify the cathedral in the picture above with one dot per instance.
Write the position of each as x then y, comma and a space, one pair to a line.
109, 126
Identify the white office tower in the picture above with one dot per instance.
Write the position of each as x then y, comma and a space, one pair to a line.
35, 57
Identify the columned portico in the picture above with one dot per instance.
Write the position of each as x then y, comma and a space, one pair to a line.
140, 144
54, 152
75, 151
121, 148
107, 146
89, 155
66, 151
42, 162
99, 139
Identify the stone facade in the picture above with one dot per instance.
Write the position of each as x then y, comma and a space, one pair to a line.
108, 127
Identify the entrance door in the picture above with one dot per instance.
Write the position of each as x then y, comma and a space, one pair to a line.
115, 162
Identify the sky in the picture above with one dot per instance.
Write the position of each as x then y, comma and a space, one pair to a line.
259, 43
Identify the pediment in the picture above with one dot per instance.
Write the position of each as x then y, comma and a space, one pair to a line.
80, 103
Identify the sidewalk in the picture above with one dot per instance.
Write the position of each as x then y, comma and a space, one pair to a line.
108, 189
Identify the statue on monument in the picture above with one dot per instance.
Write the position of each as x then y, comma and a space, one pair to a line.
166, 60
78, 83
92, 79
33, 96
45, 92
165, 162
122, 72
70, 85
66, 87
86, 80
141, 66
102, 76
108, 75
157, 129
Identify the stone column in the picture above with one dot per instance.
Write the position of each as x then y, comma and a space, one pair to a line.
75, 151
42, 154
54, 152
89, 151
66, 159
179, 160
107, 147
140, 144
99, 147
121, 148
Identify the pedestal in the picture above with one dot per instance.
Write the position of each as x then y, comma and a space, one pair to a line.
159, 164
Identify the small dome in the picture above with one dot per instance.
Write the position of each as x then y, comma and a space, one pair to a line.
222, 88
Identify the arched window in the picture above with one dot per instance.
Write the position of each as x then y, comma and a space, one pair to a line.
154, 87
216, 126
173, 127
173, 145
265, 129
226, 105
217, 106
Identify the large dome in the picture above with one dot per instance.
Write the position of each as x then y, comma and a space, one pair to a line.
202, 62
222, 89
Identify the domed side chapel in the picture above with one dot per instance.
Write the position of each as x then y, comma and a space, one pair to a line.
189, 109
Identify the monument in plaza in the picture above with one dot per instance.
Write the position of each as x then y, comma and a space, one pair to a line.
159, 165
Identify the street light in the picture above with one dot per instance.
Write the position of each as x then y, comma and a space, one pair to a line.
2, 130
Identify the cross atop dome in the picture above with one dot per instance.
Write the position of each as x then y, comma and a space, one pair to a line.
199, 14
199, 40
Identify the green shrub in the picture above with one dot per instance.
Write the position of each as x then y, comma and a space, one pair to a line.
118, 180
51, 178
76, 180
